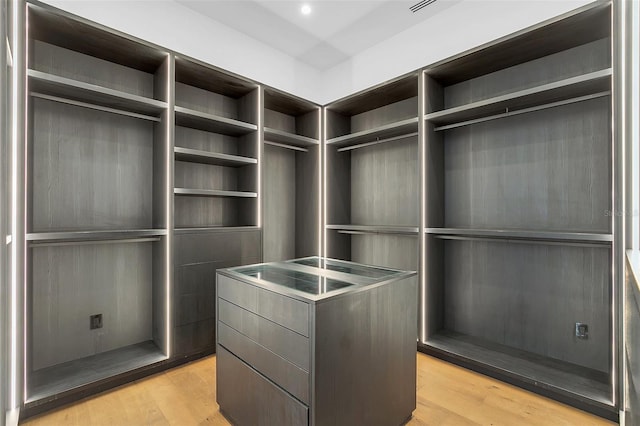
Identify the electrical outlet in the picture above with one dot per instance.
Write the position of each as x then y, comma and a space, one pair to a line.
582, 330
95, 321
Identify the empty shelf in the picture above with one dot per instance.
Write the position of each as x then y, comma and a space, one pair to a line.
552, 374
51, 381
514, 234
375, 229
49, 84
79, 236
198, 156
213, 193
212, 123
280, 136
199, 230
400, 128
573, 87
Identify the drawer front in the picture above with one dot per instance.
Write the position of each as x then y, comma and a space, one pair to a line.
248, 398
290, 313
280, 340
283, 373
238, 293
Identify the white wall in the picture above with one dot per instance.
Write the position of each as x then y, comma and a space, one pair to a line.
454, 30
179, 28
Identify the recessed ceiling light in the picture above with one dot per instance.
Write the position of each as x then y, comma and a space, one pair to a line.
305, 9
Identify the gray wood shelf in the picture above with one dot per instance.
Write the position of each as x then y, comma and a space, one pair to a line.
214, 229
187, 117
214, 158
388, 131
71, 236
213, 193
60, 378
547, 372
514, 234
375, 229
573, 87
49, 84
279, 136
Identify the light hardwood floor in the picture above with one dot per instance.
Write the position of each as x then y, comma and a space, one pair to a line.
446, 395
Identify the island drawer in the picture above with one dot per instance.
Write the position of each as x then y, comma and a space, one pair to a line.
288, 376
286, 311
280, 340
252, 399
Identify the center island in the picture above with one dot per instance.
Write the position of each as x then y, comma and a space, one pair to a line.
316, 341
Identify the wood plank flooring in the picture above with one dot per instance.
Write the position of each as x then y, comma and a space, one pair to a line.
446, 395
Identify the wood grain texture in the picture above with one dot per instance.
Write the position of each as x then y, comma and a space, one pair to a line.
279, 214
365, 365
91, 170
204, 101
632, 342
71, 283
207, 77
58, 28
388, 93
206, 141
578, 28
307, 217
386, 114
547, 170
385, 184
89, 69
530, 297
287, 104
446, 395
573, 62
279, 121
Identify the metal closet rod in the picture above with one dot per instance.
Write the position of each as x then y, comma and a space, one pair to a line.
377, 141
86, 242
508, 113
282, 145
94, 106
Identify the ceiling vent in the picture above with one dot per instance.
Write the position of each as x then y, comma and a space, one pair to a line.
420, 5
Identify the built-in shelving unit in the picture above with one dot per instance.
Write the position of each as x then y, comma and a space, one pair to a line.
291, 177
216, 148
96, 228
518, 238
373, 176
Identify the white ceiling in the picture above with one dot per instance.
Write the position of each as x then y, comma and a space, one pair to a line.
335, 30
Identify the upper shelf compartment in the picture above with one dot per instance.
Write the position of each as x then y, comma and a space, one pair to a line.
214, 101
382, 114
545, 95
289, 121
63, 89
212, 123
73, 61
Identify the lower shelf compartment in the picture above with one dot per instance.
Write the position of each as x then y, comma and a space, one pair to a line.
585, 383
51, 381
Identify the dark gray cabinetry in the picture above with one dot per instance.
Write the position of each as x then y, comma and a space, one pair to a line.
291, 177
301, 344
197, 258
518, 238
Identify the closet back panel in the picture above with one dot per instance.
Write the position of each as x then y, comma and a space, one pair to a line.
530, 296
279, 203
186, 137
547, 170
573, 62
307, 202
71, 283
279, 121
212, 211
204, 176
387, 114
393, 251
89, 69
385, 184
90, 169
205, 101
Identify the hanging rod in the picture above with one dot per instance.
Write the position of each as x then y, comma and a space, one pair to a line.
377, 141
520, 241
282, 145
94, 242
508, 113
93, 106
